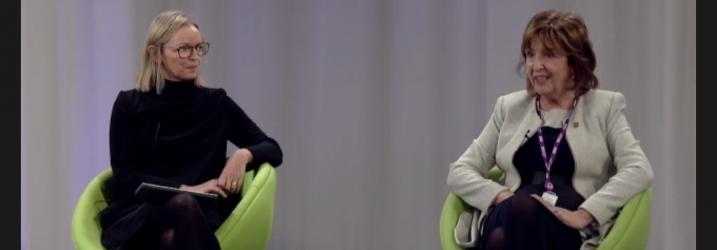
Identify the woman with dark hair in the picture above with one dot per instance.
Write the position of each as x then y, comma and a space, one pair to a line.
570, 158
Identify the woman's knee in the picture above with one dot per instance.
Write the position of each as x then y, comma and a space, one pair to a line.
182, 202
524, 204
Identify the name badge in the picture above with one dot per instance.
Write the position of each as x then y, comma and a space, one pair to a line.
550, 197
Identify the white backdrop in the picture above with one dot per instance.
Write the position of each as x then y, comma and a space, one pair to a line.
370, 100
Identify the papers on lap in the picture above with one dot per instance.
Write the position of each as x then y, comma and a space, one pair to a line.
150, 190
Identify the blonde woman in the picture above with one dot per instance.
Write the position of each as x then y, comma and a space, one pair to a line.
170, 130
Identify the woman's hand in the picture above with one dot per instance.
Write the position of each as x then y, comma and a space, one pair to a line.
504, 195
578, 219
209, 186
233, 174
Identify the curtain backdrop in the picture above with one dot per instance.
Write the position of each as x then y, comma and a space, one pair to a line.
370, 101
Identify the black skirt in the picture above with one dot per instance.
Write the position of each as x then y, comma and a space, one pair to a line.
125, 222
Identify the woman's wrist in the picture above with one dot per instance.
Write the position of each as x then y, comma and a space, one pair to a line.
244, 154
503, 195
585, 215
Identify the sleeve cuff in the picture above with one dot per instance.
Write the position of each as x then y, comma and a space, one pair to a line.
491, 192
601, 214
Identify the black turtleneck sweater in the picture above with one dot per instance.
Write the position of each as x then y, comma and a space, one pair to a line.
179, 137
176, 137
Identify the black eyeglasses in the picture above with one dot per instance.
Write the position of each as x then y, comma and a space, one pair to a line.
186, 50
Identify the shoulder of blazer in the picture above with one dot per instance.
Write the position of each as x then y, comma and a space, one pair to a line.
600, 100
594, 100
601, 95
517, 99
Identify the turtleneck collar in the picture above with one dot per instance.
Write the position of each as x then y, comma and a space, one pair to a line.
178, 86
170, 83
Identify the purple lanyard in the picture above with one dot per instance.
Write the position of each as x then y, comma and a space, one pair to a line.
549, 162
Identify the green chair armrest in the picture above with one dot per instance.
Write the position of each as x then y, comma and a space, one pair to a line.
632, 227
86, 231
452, 208
252, 219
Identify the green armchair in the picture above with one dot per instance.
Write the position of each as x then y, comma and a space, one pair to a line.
629, 232
247, 227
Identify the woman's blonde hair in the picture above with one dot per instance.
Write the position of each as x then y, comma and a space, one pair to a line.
161, 30
565, 32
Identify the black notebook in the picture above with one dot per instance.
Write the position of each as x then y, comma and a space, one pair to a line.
149, 190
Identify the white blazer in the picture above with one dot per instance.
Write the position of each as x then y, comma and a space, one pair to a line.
610, 166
